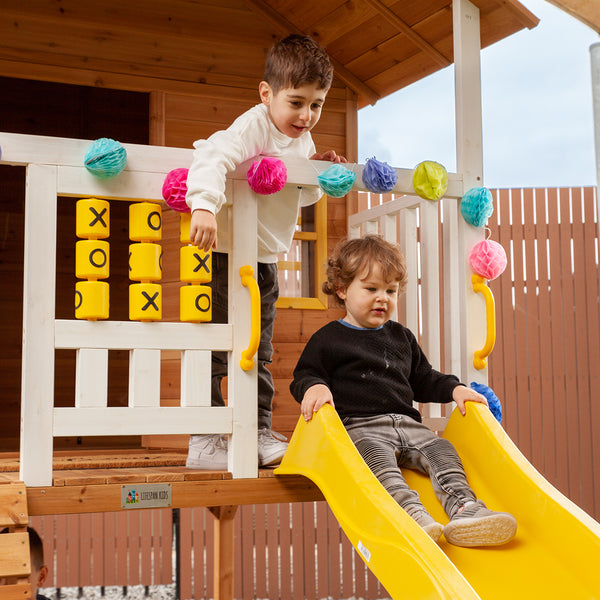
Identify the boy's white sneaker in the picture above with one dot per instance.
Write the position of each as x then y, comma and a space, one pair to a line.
207, 451
271, 447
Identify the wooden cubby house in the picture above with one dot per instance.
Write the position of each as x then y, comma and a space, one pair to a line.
91, 406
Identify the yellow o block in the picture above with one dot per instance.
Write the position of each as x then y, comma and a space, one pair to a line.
145, 302
195, 265
184, 227
145, 262
92, 219
91, 300
195, 304
145, 222
92, 259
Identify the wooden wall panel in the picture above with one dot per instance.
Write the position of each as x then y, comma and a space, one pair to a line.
188, 118
199, 84
43, 108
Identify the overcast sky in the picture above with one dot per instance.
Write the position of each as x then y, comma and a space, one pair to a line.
537, 110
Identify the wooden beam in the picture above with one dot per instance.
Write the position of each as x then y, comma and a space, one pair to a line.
397, 22
287, 27
71, 499
224, 551
522, 14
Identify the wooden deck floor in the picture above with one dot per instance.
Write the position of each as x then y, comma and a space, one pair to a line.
91, 481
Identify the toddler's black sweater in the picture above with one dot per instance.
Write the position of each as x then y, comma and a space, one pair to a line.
371, 371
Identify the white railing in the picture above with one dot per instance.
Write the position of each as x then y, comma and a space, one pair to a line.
55, 168
416, 224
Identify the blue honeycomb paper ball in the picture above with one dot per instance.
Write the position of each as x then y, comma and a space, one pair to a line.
493, 400
378, 176
105, 158
477, 206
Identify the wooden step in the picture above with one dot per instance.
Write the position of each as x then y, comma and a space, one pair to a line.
15, 564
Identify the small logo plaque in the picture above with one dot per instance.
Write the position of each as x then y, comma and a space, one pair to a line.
146, 495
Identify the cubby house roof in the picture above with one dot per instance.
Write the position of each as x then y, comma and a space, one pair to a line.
378, 46
381, 46
585, 11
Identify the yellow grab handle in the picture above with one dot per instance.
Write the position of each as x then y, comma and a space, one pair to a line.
480, 357
247, 359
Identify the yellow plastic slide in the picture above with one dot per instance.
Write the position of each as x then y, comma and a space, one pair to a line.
556, 553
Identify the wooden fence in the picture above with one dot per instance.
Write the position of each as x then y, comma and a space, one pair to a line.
544, 369
283, 551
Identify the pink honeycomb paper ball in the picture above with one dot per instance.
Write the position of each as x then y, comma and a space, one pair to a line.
267, 175
175, 188
488, 259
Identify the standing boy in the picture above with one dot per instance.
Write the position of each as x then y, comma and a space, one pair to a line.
298, 75
372, 369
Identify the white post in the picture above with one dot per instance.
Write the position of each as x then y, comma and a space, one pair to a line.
39, 290
595, 64
242, 385
467, 73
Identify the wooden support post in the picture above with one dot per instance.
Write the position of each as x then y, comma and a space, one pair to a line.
469, 162
223, 551
158, 113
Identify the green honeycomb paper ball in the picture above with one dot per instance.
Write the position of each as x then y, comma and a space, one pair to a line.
430, 180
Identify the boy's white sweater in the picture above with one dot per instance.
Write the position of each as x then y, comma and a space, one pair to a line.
251, 135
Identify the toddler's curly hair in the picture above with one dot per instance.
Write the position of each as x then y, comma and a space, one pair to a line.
353, 257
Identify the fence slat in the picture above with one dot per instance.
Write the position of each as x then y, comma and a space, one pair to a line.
508, 320
97, 554
545, 338
200, 521
533, 328
569, 342
322, 539
247, 564
309, 565
298, 546
272, 531
186, 556
582, 323
85, 566
523, 406
285, 550
593, 320
238, 563
558, 387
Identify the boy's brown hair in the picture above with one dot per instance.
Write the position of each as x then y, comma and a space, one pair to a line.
295, 61
352, 257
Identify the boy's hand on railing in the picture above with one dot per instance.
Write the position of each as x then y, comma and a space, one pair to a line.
203, 230
330, 155
315, 396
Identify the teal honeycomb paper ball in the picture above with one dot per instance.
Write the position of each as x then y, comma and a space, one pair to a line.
477, 206
105, 158
336, 181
